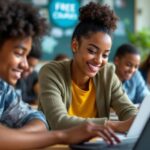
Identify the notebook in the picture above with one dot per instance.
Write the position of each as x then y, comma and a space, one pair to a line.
128, 140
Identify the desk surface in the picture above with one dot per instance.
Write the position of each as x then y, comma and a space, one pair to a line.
57, 147
66, 147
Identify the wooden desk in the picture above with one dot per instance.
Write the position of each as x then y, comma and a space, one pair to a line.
56, 147
66, 147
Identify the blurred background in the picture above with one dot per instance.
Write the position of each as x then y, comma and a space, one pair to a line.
62, 15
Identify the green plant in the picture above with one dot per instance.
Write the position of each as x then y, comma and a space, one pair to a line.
141, 39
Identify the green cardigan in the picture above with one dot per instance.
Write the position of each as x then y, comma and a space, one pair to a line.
55, 95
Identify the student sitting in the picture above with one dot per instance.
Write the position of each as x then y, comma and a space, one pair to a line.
84, 88
28, 85
127, 61
61, 57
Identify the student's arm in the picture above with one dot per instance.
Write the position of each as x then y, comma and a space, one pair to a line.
34, 126
123, 107
120, 126
12, 139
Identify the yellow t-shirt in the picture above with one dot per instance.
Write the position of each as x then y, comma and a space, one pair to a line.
83, 102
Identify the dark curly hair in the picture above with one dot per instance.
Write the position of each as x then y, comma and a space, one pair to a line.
93, 18
126, 48
20, 19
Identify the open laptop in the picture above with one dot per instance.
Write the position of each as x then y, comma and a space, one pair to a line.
140, 120
128, 140
143, 142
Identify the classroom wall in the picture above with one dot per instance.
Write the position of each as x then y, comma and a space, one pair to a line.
60, 36
142, 14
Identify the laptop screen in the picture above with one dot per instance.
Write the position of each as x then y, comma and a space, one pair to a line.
141, 118
144, 140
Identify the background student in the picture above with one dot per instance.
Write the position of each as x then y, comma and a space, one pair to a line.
61, 56
28, 85
20, 126
84, 88
127, 61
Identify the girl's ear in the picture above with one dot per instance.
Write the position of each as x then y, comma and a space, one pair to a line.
74, 45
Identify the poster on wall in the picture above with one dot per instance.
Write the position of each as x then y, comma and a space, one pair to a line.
63, 16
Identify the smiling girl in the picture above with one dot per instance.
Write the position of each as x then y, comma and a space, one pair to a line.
86, 87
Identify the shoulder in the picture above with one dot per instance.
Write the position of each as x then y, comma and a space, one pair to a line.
138, 77
110, 66
54, 65
56, 71
107, 74
56, 68
137, 81
4, 86
7, 92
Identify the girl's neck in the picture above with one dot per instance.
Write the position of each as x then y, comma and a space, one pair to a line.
78, 78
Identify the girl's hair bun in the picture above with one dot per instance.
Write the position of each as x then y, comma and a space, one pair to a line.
99, 14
